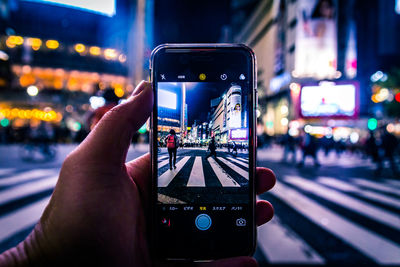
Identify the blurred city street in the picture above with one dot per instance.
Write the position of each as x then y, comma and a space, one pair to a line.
327, 115
333, 214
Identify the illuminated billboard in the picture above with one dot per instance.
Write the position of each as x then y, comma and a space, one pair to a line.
166, 99
238, 134
316, 39
104, 7
329, 100
234, 106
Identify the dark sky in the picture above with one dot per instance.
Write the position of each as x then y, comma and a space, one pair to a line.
198, 97
189, 21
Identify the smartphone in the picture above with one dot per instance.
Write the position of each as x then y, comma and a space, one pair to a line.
203, 151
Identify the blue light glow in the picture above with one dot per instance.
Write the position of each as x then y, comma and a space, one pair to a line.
328, 100
166, 99
104, 7
397, 7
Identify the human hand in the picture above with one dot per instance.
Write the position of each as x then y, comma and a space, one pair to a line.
98, 212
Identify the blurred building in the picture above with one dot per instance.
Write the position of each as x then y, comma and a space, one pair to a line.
56, 55
320, 44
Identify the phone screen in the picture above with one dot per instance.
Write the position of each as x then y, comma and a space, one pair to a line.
204, 154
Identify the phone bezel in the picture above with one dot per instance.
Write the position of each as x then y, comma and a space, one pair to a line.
153, 137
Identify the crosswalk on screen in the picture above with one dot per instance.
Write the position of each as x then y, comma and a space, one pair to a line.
203, 140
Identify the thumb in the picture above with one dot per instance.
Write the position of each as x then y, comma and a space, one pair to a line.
110, 139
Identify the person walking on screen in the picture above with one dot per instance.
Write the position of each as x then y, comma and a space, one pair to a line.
172, 145
234, 149
212, 148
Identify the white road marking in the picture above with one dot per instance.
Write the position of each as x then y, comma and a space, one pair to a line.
163, 158
26, 176
388, 218
246, 165
392, 182
240, 171
196, 177
242, 160
166, 177
376, 186
27, 189
6, 171
273, 236
21, 218
341, 185
223, 177
163, 163
378, 248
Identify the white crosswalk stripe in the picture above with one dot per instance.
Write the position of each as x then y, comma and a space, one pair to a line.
392, 182
242, 160
377, 186
224, 178
273, 236
163, 158
347, 187
27, 189
22, 218
376, 247
6, 171
26, 176
241, 163
240, 171
163, 163
196, 177
167, 176
348, 202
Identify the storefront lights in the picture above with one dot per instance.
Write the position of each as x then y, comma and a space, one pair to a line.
35, 43
95, 51
52, 44
80, 48
110, 54
32, 90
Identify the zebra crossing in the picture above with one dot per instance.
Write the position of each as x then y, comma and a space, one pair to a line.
229, 171
358, 215
23, 198
315, 219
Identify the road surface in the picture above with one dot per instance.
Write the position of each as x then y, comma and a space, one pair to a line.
338, 213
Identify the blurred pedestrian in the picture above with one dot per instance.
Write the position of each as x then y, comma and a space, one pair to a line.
389, 146
212, 148
289, 144
309, 148
340, 147
234, 149
172, 145
327, 144
372, 150
42, 136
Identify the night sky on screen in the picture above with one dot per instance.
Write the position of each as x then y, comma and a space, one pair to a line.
187, 21
198, 97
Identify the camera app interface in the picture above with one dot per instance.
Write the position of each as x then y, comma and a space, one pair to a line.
203, 144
